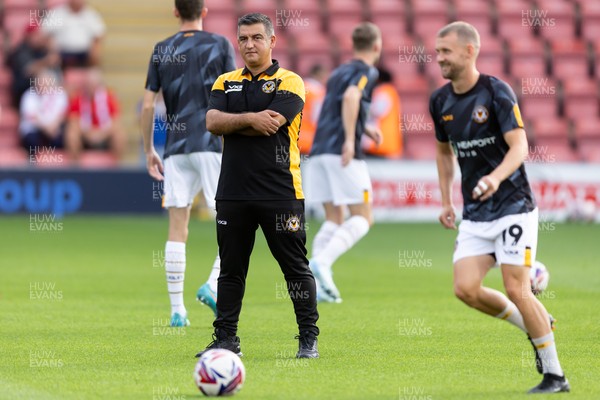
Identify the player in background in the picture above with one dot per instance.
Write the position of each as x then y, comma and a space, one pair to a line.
337, 175
477, 120
315, 94
185, 66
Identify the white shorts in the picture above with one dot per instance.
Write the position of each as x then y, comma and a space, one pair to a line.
511, 239
327, 181
187, 174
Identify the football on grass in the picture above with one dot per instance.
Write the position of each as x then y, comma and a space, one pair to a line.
219, 372
539, 276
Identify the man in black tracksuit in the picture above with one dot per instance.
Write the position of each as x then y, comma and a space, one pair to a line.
258, 110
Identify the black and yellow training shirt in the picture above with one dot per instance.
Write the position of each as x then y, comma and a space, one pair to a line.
260, 167
475, 123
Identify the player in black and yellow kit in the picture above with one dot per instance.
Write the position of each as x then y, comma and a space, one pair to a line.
184, 66
477, 120
337, 175
258, 110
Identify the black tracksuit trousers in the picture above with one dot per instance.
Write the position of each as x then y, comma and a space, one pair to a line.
283, 224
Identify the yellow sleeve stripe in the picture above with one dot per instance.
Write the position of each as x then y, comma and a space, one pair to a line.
528, 262
362, 82
229, 76
517, 113
292, 83
294, 152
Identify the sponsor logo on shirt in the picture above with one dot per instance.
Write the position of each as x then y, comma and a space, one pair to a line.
234, 88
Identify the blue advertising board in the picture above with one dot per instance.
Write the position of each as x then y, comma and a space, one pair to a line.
61, 192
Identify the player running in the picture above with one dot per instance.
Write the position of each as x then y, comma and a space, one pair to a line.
477, 120
185, 66
337, 176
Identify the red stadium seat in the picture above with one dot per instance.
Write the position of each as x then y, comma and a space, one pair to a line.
311, 42
13, 157
93, 159
569, 58
510, 18
304, 5
306, 61
298, 16
24, 4
15, 22
538, 97
9, 120
222, 23
421, 146
525, 46
529, 67
343, 25
555, 19
551, 141
414, 94
551, 150
401, 70
428, 17
550, 127
9, 139
476, 12
587, 135
394, 32
590, 24
526, 57
267, 7
581, 98
337, 8
59, 159
5, 98
221, 7
5, 77
587, 129
55, 3
395, 8
491, 66
491, 57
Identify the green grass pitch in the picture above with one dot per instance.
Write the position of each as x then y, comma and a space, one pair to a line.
84, 308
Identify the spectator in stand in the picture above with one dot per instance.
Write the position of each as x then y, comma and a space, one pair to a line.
93, 121
385, 115
78, 30
43, 110
314, 85
34, 54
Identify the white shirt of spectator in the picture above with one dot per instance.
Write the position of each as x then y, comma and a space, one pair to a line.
74, 32
45, 108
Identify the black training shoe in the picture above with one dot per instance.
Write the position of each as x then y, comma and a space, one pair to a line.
307, 346
552, 384
223, 341
538, 360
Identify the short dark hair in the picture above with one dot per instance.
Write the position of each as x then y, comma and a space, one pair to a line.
257, 18
365, 35
189, 10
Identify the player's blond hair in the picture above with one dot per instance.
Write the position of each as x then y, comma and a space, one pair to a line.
364, 36
465, 32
